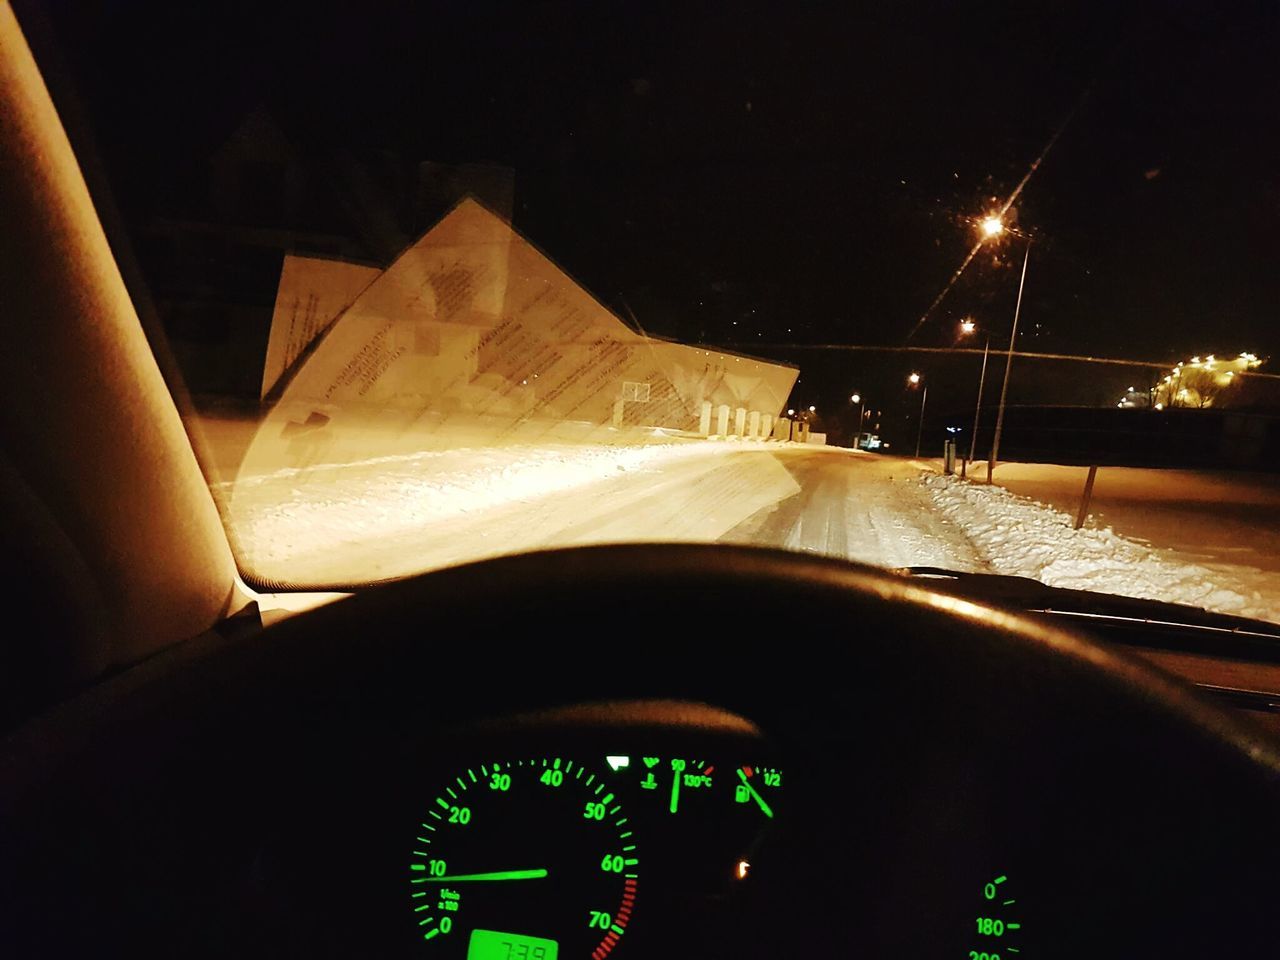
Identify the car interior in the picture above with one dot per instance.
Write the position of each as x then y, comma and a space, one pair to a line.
638, 750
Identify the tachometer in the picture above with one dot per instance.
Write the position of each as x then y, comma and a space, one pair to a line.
523, 860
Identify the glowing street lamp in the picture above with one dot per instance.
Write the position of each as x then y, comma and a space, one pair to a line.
914, 379
967, 326
991, 228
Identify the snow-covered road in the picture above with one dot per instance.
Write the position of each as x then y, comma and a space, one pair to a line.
392, 516
395, 515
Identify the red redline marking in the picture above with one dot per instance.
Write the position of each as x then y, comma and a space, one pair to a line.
624, 914
748, 771
707, 772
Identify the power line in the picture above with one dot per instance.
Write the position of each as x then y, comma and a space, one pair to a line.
1071, 357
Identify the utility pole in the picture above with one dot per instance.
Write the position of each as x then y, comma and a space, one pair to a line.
920, 426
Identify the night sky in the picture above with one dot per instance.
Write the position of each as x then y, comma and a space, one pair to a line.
743, 174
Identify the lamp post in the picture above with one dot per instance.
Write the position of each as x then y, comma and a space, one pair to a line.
1008, 365
967, 327
857, 437
992, 227
914, 380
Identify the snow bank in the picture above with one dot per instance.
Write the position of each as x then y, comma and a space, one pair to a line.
1022, 537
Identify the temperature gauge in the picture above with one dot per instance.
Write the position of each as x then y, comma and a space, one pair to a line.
689, 776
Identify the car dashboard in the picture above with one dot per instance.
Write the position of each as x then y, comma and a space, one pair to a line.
893, 773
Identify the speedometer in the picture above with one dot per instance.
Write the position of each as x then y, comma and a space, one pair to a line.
523, 860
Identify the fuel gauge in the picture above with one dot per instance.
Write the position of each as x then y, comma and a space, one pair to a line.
751, 783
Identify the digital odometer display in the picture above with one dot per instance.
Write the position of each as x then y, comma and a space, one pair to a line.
492, 945
539, 848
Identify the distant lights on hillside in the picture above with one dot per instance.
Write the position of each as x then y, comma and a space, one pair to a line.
1198, 382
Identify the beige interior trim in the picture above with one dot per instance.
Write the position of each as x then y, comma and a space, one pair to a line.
84, 412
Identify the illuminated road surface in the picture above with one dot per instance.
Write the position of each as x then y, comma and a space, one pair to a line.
380, 519
394, 516
857, 507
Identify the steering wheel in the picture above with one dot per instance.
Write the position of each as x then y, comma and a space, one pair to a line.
932, 743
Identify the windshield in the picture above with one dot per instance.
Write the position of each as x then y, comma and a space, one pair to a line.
987, 289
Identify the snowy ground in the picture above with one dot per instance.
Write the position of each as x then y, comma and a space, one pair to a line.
1016, 535
1221, 516
391, 516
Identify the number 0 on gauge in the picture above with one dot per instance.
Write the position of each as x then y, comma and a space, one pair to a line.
523, 860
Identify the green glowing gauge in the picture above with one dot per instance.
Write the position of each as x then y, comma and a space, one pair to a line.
523, 860
752, 783
996, 930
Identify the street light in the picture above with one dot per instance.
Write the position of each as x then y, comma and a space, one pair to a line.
857, 437
914, 380
1009, 365
967, 327
992, 227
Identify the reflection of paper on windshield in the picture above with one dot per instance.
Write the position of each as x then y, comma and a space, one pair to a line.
312, 293
473, 338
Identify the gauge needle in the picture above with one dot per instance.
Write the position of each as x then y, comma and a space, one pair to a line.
675, 784
752, 790
495, 875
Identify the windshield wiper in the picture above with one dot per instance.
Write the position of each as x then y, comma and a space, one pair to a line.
1142, 621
